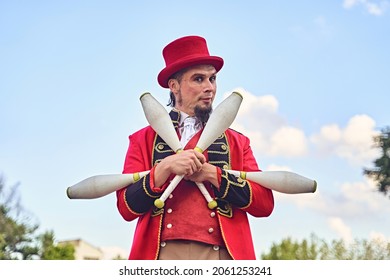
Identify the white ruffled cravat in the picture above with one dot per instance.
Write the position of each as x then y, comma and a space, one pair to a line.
190, 127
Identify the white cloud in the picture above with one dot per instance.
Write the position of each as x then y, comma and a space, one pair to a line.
259, 119
275, 167
350, 3
379, 237
352, 200
377, 9
338, 225
289, 141
271, 135
353, 143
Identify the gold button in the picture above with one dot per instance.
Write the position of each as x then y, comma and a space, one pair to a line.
225, 166
169, 211
212, 214
160, 147
211, 230
169, 225
223, 147
215, 247
163, 244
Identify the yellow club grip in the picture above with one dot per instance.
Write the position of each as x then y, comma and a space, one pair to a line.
159, 203
198, 149
212, 204
136, 177
243, 175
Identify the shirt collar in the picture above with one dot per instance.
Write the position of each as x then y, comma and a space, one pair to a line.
183, 116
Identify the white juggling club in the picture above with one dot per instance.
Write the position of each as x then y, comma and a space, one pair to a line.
101, 185
280, 181
160, 121
220, 120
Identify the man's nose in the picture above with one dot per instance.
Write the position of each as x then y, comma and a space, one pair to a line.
209, 86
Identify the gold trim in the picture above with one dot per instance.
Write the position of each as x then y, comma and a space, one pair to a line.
146, 190
158, 239
156, 211
221, 158
228, 212
224, 238
161, 147
226, 188
219, 163
153, 148
175, 122
250, 196
224, 146
127, 205
219, 153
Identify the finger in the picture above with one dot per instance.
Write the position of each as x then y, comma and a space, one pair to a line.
200, 157
199, 164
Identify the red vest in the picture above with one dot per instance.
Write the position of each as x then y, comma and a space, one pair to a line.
187, 215
232, 222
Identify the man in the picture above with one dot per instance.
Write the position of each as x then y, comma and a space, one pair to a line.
186, 228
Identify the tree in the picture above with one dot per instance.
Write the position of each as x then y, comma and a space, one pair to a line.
381, 172
16, 233
289, 249
18, 237
50, 251
319, 249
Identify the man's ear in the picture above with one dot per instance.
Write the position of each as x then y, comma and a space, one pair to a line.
173, 85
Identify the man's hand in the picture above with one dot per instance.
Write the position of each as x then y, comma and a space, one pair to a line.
184, 163
208, 172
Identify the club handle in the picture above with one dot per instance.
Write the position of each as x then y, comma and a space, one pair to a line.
159, 202
211, 203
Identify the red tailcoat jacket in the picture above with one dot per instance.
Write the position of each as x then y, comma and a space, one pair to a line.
235, 197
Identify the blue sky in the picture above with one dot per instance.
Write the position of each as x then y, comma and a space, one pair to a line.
316, 80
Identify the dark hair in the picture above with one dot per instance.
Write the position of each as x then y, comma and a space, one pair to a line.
176, 76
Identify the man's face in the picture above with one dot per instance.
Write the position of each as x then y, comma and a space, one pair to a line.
196, 90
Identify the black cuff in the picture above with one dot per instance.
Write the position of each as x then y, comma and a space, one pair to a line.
235, 190
139, 196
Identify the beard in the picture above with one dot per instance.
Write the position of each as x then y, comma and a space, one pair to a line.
203, 114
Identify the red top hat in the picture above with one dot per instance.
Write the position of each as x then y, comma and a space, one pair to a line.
185, 52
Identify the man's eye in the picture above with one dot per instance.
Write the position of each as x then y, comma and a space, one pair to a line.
199, 79
213, 78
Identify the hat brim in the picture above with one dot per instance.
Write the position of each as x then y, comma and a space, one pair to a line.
167, 72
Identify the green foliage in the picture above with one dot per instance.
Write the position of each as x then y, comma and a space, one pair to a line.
319, 249
50, 251
18, 237
16, 234
381, 172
